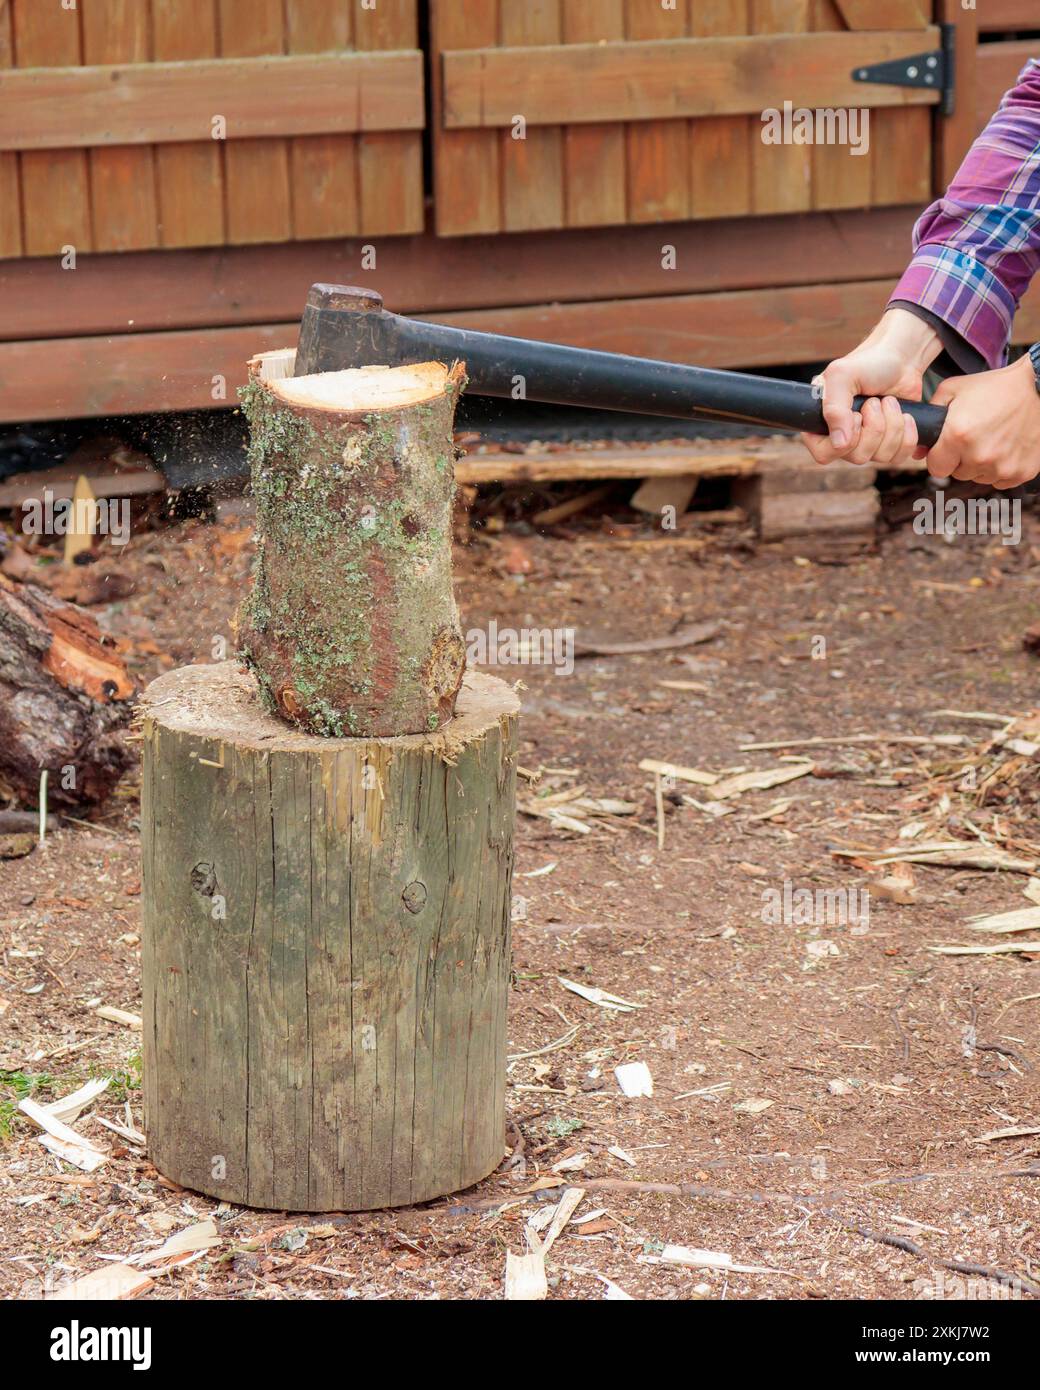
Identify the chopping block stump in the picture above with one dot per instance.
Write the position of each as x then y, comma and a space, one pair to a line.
325, 948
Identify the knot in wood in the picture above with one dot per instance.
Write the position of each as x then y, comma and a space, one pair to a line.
204, 879
414, 896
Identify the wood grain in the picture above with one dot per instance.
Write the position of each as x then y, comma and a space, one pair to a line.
323, 168
781, 175
10, 187
720, 146
657, 151
841, 179
902, 142
888, 14
390, 173
997, 67
532, 167
594, 155
55, 183
640, 82
189, 176
259, 96
466, 164
956, 133
122, 180
176, 289
336, 1040
256, 172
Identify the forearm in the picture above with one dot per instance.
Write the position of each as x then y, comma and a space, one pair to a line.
978, 247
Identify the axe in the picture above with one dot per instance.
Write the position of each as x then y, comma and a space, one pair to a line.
344, 326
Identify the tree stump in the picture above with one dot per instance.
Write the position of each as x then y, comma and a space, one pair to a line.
351, 625
326, 948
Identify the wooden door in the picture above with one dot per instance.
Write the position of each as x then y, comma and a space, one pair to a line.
576, 113
131, 124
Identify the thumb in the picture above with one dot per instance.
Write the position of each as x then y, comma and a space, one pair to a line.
839, 388
947, 390
944, 457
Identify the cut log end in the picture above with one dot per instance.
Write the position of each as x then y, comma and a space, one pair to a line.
365, 390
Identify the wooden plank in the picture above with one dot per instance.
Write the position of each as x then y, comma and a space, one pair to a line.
135, 373
724, 459
902, 141
886, 14
10, 188
390, 174
657, 152
781, 175
132, 373
55, 183
259, 97
189, 176
1006, 16
322, 168
241, 285
734, 329
532, 167
594, 155
997, 68
257, 194
692, 77
720, 146
955, 133
466, 164
122, 180
840, 178
391, 178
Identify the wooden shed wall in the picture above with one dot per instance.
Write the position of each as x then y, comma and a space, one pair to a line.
568, 166
67, 178
151, 329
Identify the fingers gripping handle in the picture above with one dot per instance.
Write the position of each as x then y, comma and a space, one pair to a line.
930, 419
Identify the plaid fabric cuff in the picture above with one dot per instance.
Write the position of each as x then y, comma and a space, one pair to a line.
959, 289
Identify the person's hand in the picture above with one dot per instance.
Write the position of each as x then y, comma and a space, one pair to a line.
992, 431
890, 362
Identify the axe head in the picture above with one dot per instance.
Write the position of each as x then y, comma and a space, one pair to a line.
342, 326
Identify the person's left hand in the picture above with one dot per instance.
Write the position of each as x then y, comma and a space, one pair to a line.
992, 432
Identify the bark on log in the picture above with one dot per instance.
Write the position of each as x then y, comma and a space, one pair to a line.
325, 948
351, 625
64, 699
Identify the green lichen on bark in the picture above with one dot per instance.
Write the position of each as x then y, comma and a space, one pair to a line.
351, 611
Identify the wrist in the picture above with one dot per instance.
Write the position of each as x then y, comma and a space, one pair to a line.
915, 341
1031, 360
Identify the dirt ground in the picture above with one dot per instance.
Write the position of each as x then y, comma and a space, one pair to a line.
819, 1089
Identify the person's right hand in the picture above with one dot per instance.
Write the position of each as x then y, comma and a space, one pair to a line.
890, 363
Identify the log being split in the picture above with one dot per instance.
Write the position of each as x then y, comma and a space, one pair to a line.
351, 625
326, 948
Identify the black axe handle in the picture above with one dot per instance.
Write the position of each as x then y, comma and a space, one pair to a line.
347, 327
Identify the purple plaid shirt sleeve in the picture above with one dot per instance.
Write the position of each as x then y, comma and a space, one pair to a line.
977, 248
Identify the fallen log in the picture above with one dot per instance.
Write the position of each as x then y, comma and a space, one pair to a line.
64, 700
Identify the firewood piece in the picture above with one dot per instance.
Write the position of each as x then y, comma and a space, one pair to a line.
82, 521
351, 625
654, 495
838, 504
63, 699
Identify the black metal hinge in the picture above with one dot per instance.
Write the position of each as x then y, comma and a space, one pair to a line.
933, 70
